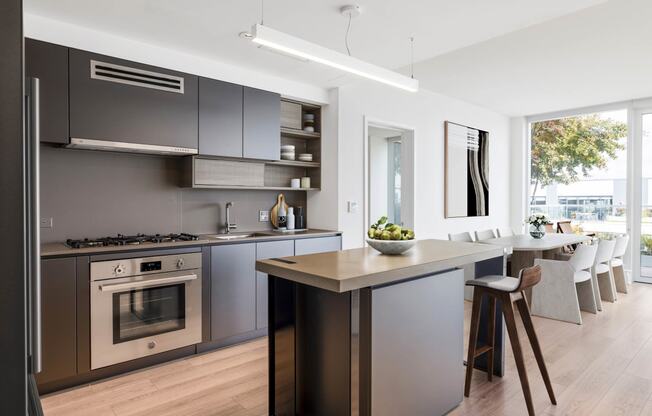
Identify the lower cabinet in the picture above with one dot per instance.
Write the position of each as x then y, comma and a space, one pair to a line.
233, 290
317, 245
268, 250
59, 319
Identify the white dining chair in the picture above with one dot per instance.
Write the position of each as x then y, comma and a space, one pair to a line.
618, 265
484, 235
566, 287
465, 236
469, 269
606, 288
505, 232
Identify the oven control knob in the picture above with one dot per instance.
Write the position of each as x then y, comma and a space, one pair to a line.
180, 263
151, 345
119, 269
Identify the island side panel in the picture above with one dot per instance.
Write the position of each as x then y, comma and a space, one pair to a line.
281, 341
495, 266
417, 330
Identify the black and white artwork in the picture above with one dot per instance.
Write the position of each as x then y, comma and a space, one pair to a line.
466, 172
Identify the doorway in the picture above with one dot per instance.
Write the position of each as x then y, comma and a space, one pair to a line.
389, 173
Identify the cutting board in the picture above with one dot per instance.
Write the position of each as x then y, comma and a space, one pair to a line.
273, 214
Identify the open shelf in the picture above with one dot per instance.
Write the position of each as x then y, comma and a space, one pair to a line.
297, 163
257, 188
299, 134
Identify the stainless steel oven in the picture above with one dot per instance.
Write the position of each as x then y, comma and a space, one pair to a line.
144, 306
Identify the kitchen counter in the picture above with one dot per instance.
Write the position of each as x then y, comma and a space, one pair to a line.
341, 271
357, 332
62, 250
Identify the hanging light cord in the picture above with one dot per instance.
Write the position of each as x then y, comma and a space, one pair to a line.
412, 57
262, 12
346, 36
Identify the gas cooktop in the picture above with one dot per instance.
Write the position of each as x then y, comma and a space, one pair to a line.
123, 240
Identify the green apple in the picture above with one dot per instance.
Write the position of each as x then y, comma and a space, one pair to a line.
386, 235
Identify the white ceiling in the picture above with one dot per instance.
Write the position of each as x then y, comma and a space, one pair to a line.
599, 55
210, 29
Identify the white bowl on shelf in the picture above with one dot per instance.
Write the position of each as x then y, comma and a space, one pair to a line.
391, 247
305, 157
309, 129
287, 148
287, 156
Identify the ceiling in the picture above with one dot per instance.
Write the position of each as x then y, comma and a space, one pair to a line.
210, 28
599, 55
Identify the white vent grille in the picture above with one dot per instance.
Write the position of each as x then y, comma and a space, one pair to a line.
136, 77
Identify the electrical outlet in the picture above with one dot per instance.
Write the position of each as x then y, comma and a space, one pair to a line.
352, 207
47, 222
263, 216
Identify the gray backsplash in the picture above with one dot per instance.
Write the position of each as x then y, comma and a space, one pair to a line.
94, 194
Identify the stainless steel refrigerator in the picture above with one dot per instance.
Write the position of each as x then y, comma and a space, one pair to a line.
19, 255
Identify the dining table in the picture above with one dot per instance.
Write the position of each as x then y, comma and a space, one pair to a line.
526, 248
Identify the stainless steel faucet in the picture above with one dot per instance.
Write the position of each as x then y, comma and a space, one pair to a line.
228, 224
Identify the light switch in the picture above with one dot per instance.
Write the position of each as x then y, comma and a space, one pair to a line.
47, 222
263, 216
352, 207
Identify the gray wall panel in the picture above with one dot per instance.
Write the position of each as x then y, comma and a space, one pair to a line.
91, 194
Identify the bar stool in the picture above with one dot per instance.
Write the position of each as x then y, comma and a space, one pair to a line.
509, 291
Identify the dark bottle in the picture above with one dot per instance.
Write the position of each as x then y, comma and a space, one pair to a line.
299, 219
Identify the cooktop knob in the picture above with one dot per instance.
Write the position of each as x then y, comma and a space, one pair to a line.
180, 263
119, 269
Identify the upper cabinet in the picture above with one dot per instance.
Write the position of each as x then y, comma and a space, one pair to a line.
261, 124
49, 63
220, 118
122, 101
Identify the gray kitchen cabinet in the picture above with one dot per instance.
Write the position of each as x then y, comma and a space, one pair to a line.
220, 118
59, 319
268, 250
317, 245
49, 63
233, 290
261, 124
122, 101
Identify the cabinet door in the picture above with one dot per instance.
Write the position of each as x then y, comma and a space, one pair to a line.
59, 319
49, 63
262, 124
268, 250
117, 100
220, 118
233, 290
317, 245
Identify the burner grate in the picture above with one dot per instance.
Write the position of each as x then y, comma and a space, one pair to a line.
137, 239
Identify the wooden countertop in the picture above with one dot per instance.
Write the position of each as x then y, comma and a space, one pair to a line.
60, 249
342, 271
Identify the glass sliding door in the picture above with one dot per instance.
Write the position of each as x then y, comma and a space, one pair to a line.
642, 230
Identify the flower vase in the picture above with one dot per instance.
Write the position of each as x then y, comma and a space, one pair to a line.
537, 231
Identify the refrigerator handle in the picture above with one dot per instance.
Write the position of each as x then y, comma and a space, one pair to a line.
34, 266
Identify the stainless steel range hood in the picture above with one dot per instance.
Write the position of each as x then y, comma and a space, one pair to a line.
90, 144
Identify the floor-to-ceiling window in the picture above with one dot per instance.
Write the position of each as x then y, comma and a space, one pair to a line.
578, 171
645, 197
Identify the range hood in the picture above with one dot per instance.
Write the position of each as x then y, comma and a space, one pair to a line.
90, 144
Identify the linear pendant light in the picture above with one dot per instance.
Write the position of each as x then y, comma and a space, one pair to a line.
292, 45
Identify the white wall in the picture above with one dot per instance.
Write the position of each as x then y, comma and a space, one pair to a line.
425, 112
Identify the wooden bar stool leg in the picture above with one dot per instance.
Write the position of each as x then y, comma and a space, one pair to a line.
491, 334
510, 321
534, 341
473, 338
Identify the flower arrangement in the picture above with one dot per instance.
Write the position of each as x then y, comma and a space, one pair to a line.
539, 219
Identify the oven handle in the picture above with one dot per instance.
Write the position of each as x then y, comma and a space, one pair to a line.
147, 283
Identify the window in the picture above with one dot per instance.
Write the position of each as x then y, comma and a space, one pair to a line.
579, 171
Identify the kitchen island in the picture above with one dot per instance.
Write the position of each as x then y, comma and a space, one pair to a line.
355, 332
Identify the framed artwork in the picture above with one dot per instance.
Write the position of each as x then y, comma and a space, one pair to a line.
466, 171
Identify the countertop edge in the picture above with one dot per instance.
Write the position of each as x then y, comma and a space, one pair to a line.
64, 251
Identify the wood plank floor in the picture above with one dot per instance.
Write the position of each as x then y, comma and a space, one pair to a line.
603, 367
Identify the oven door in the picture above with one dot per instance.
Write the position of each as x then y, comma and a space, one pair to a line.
138, 316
